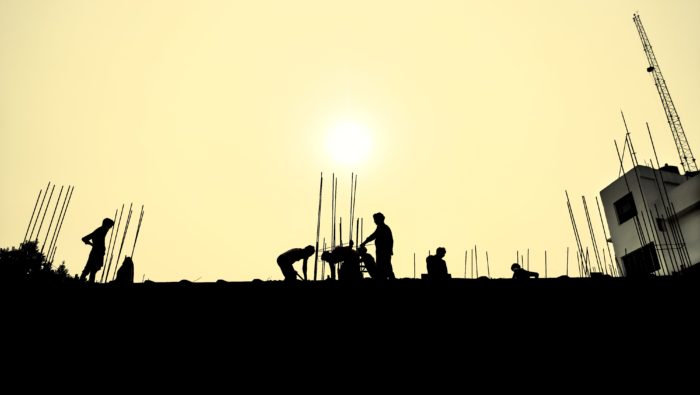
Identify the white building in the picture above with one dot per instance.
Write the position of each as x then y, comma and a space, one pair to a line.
654, 220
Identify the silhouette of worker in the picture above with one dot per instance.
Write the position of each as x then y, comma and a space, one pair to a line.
369, 263
384, 244
97, 240
348, 261
437, 267
286, 260
520, 273
125, 274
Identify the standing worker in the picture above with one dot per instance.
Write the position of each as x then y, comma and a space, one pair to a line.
97, 240
384, 244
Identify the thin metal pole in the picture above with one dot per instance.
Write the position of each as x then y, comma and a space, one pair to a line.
340, 231
488, 267
357, 232
673, 244
578, 263
579, 245
58, 220
332, 240
41, 224
126, 229
318, 225
528, 259
670, 212
414, 265
640, 235
53, 254
605, 261
338, 237
354, 203
335, 212
362, 229
645, 224
590, 229
605, 234
666, 238
105, 273
465, 264
109, 245
65, 212
138, 229
48, 231
38, 214
676, 223
323, 264
472, 264
476, 261
352, 184
31, 219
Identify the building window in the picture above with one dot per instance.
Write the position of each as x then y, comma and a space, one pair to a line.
661, 225
625, 209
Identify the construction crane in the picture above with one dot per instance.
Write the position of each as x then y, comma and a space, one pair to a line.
674, 121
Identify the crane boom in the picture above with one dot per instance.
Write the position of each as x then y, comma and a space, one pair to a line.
674, 121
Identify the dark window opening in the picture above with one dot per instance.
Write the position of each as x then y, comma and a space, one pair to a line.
625, 208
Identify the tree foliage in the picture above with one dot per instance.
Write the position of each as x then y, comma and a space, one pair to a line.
27, 263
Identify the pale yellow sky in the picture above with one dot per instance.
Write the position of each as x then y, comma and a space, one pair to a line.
215, 115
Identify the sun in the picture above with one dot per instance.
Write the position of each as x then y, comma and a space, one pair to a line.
349, 143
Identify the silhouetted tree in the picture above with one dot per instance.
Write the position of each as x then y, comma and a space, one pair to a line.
27, 263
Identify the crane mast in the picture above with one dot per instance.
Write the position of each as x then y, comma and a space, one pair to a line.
674, 121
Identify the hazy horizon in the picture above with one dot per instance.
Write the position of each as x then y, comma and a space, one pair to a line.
471, 119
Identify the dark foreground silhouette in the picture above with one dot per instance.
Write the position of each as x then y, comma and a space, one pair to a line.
382, 321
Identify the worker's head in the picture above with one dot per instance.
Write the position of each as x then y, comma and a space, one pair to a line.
361, 250
441, 251
107, 223
378, 218
514, 267
309, 250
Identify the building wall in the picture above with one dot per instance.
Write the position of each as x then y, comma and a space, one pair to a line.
642, 183
686, 201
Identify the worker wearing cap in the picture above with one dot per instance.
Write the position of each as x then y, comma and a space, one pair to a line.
384, 244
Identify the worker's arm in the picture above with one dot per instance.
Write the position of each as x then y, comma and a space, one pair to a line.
303, 267
369, 238
88, 239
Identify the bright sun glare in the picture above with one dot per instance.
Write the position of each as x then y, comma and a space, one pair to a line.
349, 143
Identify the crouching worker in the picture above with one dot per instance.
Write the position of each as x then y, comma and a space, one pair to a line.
437, 267
370, 264
125, 274
286, 260
520, 273
348, 260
